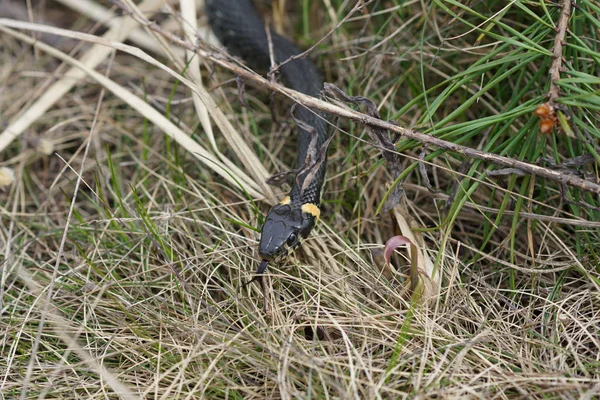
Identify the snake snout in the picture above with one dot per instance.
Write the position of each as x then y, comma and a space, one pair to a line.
271, 245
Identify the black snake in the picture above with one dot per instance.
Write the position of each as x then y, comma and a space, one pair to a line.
241, 30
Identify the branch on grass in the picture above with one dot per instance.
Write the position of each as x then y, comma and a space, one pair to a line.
551, 113
314, 157
380, 138
317, 104
359, 5
557, 51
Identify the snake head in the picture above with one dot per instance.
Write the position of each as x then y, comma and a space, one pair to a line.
285, 226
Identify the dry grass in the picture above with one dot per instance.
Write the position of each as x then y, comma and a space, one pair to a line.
125, 244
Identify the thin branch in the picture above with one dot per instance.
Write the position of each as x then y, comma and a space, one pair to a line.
380, 138
361, 4
317, 104
557, 50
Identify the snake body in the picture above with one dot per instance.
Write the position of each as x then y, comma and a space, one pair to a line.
241, 30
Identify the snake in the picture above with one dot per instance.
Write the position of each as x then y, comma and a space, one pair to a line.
239, 27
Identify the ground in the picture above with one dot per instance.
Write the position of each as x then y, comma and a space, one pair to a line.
129, 211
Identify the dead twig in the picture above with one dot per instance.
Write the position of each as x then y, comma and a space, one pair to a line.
551, 112
314, 159
424, 174
242, 93
317, 104
557, 50
381, 139
359, 5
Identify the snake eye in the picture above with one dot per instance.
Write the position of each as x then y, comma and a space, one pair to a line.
291, 240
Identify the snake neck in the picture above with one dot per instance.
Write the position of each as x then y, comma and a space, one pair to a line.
241, 30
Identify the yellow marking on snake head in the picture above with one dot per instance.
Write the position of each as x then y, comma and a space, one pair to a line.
285, 201
311, 209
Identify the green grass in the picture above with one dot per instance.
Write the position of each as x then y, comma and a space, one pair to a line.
149, 282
